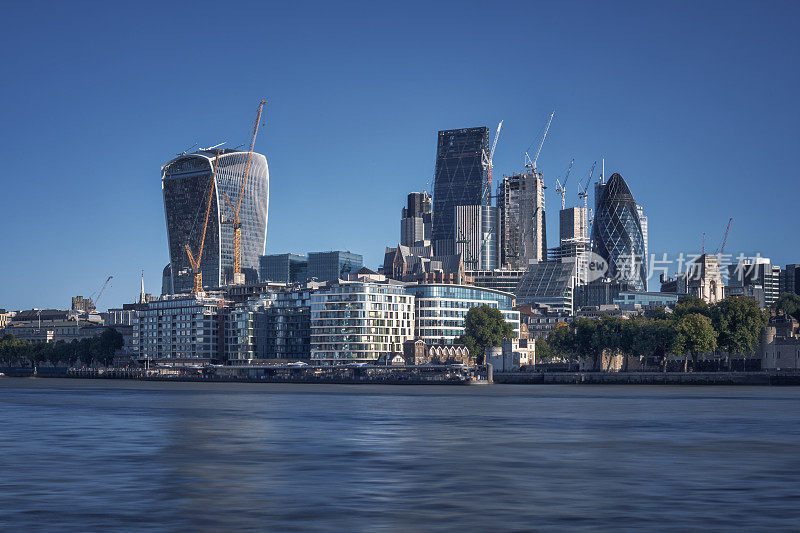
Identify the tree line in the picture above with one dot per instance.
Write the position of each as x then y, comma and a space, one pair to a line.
693, 330
98, 349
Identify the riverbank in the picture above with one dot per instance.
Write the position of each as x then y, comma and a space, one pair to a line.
648, 378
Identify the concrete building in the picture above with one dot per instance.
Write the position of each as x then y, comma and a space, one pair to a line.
550, 283
186, 182
460, 179
358, 321
523, 230
440, 309
181, 328
501, 279
84, 305
417, 220
757, 278
476, 236
704, 280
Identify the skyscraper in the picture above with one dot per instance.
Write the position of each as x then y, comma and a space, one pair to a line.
617, 233
574, 241
415, 225
460, 179
186, 184
476, 236
523, 232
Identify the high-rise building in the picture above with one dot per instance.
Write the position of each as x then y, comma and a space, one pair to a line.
790, 279
550, 283
186, 182
643, 223
757, 278
523, 232
475, 236
617, 233
283, 268
460, 179
331, 266
574, 241
417, 220
704, 280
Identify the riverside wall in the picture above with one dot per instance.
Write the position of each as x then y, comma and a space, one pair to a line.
648, 378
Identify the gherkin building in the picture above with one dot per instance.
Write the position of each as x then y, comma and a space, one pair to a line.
617, 233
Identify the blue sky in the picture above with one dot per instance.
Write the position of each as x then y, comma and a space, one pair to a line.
694, 103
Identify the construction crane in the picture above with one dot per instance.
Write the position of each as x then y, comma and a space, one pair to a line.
561, 188
486, 161
584, 195
531, 163
725, 238
238, 277
198, 274
92, 300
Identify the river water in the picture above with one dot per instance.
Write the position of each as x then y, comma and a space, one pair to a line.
97, 455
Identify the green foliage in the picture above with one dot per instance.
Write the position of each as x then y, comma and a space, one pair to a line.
688, 305
738, 322
484, 326
694, 336
788, 304
100, 349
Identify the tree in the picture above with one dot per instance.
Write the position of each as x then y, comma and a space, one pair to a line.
691, 304
108, 343
561, 341
788, 304
738, 322
694, 336
484, 326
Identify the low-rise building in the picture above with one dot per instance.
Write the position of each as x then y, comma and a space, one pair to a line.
780, 344
420, 352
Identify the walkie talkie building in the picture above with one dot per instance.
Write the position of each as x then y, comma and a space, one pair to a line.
617, 233
186, 184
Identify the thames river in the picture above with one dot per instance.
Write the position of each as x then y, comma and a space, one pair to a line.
100, 455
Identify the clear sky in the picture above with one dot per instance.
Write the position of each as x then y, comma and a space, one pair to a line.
694, 103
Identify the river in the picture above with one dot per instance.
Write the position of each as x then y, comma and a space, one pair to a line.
100, 455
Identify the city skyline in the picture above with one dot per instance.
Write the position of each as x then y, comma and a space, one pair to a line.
698, 148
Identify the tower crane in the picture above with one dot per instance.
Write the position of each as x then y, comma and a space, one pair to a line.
584, 194
93, 301
725, 238
198, 274
561, 188
531, 163
486, 159
238, 277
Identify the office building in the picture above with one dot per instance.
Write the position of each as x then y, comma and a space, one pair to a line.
283, 268
476, 236
789, 279
643, 224
84, 305
186, 183
523, 230
757, 278
600, 292
331, 266
632, 300
617, 232
417, 220
460, 179
573, 241
550, 283
359, 321
442, 308
501, 279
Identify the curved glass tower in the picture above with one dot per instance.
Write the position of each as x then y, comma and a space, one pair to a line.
186, 183
617, 233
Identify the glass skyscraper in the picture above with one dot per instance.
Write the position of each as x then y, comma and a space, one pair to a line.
460, 179
186, 184
617, 233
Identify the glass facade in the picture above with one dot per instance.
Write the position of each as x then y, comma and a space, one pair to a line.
617, 233
460, 179
331, 266
283, 268
441, 309
186, 184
